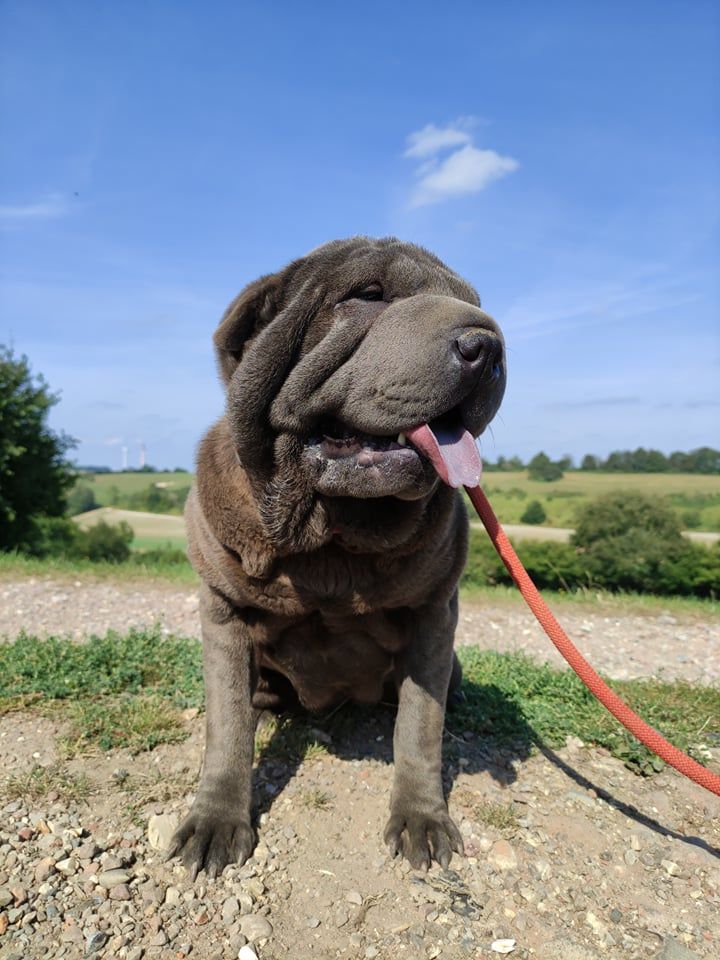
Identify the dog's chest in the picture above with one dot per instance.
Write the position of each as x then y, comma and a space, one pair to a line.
330, 656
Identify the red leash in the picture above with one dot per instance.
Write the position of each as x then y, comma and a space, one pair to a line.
597, 686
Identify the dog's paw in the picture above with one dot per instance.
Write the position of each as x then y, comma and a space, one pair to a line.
207, 841
423, 837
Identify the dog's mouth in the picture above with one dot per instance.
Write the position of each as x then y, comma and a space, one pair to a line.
444, 441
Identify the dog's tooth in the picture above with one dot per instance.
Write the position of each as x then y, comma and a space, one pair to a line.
402, 439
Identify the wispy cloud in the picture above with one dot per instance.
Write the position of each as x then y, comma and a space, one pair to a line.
431, 139
50, 207
466, 169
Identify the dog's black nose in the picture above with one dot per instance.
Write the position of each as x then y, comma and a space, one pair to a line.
476, 347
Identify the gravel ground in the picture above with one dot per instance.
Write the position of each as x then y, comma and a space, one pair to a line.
569, 856
622, 645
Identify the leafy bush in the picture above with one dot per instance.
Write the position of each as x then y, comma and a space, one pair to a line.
105, 541
628, 541
81, 499
534, 513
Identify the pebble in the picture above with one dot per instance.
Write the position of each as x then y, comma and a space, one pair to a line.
95, 941
501, 856
313, 922
230, 909
160, 829
112, 878
255, 927
503, 946
247, 953
354, 896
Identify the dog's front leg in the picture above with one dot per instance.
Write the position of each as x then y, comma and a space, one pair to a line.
420, 827
217, 831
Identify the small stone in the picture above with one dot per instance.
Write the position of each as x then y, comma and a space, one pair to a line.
4, 923
247, 953
160, 829
630, 857
26, 833
246, 903
595, 924
502, 856
372, 952
96, 941
87, 851
159, 940
113, 878
354, 896
202, 917
503, 946
255, 887
673, 950
670, 867
6, 897
255, 927
120, 892
616, 915
341, 917
230, 909
68, 867
45, 868
173, 897
313, 922
635, 842
135, 953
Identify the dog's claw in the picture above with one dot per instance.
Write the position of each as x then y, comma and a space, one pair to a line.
206, 842
422, 838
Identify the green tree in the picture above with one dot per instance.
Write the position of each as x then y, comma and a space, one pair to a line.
541, 467
589, 462
34, 474
534, 513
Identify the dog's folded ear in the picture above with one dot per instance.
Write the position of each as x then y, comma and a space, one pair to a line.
249, 312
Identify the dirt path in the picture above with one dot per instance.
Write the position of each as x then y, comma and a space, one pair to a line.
569, 856
622, 645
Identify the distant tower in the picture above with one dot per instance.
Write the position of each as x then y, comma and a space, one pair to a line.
142, 455
124, 451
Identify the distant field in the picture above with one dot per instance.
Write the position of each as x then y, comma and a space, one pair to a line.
694, 497
151, 529
102, 483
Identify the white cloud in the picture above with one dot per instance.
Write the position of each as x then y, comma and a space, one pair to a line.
431, 139
53, 205
466, 169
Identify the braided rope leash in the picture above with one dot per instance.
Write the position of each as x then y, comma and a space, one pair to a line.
597, 686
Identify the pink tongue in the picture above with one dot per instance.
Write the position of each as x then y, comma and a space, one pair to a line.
451, 451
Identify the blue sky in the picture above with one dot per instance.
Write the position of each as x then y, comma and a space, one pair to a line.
561, 156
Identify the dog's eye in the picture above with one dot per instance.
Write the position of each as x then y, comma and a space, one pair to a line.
372, 292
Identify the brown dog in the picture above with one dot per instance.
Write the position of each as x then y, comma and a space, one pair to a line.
328, 549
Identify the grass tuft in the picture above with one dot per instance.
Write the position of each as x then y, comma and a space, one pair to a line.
316, 799
36, 783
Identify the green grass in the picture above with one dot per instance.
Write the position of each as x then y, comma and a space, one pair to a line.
515, 702
128, 690
139, 567
510, 493
127, 483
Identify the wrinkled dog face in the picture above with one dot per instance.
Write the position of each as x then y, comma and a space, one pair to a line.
329, 362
